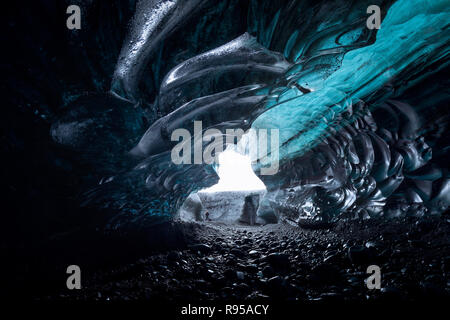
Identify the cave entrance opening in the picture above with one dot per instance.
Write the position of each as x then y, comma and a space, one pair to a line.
233, 200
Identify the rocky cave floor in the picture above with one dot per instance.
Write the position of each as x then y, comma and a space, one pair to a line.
282, 262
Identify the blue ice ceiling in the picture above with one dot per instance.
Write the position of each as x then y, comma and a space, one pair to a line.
420, 30
356, 140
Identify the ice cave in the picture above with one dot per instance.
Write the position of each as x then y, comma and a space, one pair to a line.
356, 120
325, 93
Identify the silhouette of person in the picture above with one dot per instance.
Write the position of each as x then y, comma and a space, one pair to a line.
249, 210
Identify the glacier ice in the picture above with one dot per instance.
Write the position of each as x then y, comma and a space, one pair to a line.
349, 147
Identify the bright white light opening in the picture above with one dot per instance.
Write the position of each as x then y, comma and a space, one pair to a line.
235, 174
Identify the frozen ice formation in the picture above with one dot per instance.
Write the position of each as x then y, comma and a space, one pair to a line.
362, 171
242, 59
356, 131
153, 22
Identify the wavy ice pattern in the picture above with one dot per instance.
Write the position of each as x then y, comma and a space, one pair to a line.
349, 148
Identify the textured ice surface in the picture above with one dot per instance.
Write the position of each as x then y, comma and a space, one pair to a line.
418, 30
200, 75
153, 22
324, 80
